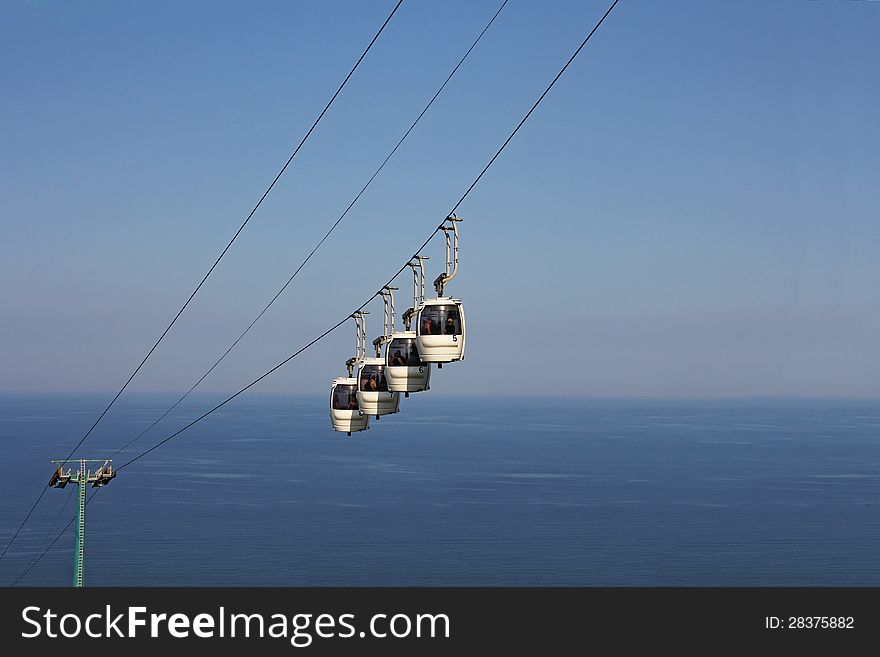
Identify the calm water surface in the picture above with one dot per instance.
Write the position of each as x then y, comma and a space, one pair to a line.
456, 492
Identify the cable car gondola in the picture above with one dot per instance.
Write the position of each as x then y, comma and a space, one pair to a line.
373, 394
440, 329
345, 412
405, 370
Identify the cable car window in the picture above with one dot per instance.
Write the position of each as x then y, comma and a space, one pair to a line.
440, 320
453, 322
345, 398
403, 352
429, 321
373, 379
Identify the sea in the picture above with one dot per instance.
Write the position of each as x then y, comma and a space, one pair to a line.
463, 491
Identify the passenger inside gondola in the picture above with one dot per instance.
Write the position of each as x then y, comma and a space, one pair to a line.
373, 379
452, 323
440, 320
403, 352
345, 398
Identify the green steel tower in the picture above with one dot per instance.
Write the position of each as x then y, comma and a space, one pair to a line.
82, 478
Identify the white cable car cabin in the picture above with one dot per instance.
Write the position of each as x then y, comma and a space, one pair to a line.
345, 413
373, 395
440, 329
406, 372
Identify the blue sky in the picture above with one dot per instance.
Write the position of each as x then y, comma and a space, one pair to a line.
691, 212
